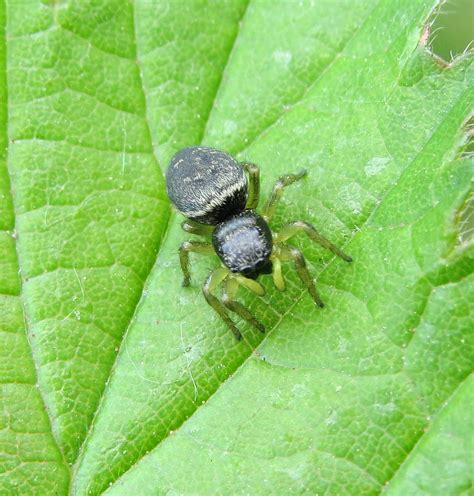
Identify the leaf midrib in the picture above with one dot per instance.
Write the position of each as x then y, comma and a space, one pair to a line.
165, 234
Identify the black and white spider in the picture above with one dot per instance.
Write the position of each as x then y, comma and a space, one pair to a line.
210, 188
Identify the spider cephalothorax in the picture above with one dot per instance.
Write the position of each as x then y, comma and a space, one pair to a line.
244, 244
210, 188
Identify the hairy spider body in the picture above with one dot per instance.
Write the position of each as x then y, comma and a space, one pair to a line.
244, 244
206, 185
211, 189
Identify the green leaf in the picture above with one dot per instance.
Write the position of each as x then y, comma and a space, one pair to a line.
115, 378
441, 463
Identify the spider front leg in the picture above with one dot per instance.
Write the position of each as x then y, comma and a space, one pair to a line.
228, 298
289, 253
277, 275
231, 285
298, 226
194, 246
254, 184
216, 278
277, 192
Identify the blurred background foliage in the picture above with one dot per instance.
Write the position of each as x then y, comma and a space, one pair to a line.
453, 29
452, 34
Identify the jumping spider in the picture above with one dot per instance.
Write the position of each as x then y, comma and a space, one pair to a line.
210, 188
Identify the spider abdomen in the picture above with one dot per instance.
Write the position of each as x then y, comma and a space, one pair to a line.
206, 185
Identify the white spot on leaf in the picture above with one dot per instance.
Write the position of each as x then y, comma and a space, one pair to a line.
282, 57
351, 195
376, 165
229, 127
332, 419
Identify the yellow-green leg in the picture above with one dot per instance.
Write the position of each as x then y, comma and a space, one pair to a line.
184, 250
289, 253
251, 284
228, 298
277, 192
194, 227
254, 184
210, 285
298, 226
277, 274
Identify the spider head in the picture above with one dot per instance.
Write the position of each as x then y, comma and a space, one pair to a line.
244, 244
263, 266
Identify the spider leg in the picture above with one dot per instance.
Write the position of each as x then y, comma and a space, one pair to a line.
277, 274
228, 298
193, 227
290, 253
293, 228
251, 284
277, 192
216, 278
254, 184
185, 248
